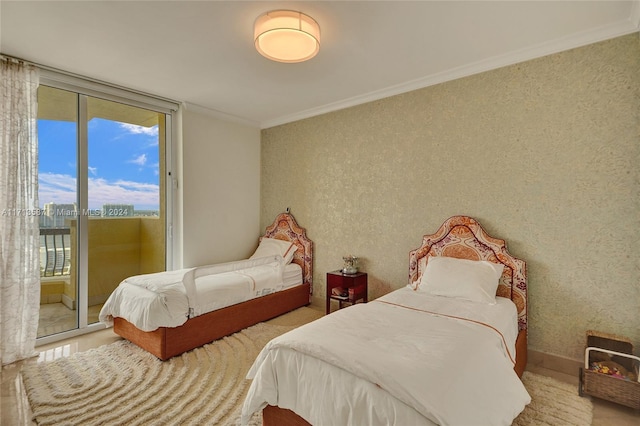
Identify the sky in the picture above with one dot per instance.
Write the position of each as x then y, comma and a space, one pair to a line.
123, 163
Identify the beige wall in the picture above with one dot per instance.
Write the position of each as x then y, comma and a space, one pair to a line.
545, 154
219, 189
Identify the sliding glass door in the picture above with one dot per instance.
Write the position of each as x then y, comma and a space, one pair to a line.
102, 168
126, 227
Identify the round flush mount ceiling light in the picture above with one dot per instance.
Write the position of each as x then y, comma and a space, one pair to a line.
287, 36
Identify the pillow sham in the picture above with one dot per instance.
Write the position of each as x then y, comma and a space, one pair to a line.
274, 246
475, 280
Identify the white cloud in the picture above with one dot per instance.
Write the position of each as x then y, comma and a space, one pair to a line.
136, 186
93, 170
61, 189
54, 187
140, 130
140, 161
102, 192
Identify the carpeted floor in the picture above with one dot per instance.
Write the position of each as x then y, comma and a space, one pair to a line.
122, 384
553, 403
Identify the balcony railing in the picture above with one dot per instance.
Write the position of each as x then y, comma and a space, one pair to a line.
55, 251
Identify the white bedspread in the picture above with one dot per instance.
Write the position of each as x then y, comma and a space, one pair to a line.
168, 299
404, 359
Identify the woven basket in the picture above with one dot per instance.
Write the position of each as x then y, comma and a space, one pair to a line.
607, 387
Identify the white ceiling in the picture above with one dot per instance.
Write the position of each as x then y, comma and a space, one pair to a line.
201, 52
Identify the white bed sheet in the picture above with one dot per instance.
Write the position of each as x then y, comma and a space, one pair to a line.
162, 300
221, 290
292, 276
397, 362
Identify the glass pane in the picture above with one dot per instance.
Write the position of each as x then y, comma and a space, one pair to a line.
126, 196
57, 168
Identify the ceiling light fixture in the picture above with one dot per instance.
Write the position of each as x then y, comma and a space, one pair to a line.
287, 36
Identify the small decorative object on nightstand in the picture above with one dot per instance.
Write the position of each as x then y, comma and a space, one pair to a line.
350, 265
346, 288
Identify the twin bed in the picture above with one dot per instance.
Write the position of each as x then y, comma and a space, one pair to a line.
173, 312
447, 349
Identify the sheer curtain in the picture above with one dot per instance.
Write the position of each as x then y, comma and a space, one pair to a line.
19, 221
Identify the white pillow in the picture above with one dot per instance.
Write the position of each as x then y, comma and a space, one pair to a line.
475, 280
273, 246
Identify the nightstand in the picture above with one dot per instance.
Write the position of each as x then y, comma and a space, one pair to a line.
354, 284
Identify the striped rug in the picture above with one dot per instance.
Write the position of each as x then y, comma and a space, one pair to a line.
120, 384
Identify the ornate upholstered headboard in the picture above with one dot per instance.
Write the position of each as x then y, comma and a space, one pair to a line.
285, 227
463, 237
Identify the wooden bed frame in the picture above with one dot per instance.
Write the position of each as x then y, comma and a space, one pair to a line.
167, 342
461, 237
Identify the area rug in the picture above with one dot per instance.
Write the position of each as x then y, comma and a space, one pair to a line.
553, 403
120, 384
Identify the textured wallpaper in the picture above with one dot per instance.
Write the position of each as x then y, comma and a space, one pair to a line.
545, 154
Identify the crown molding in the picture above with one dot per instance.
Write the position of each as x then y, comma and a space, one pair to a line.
220, 115
595, 35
